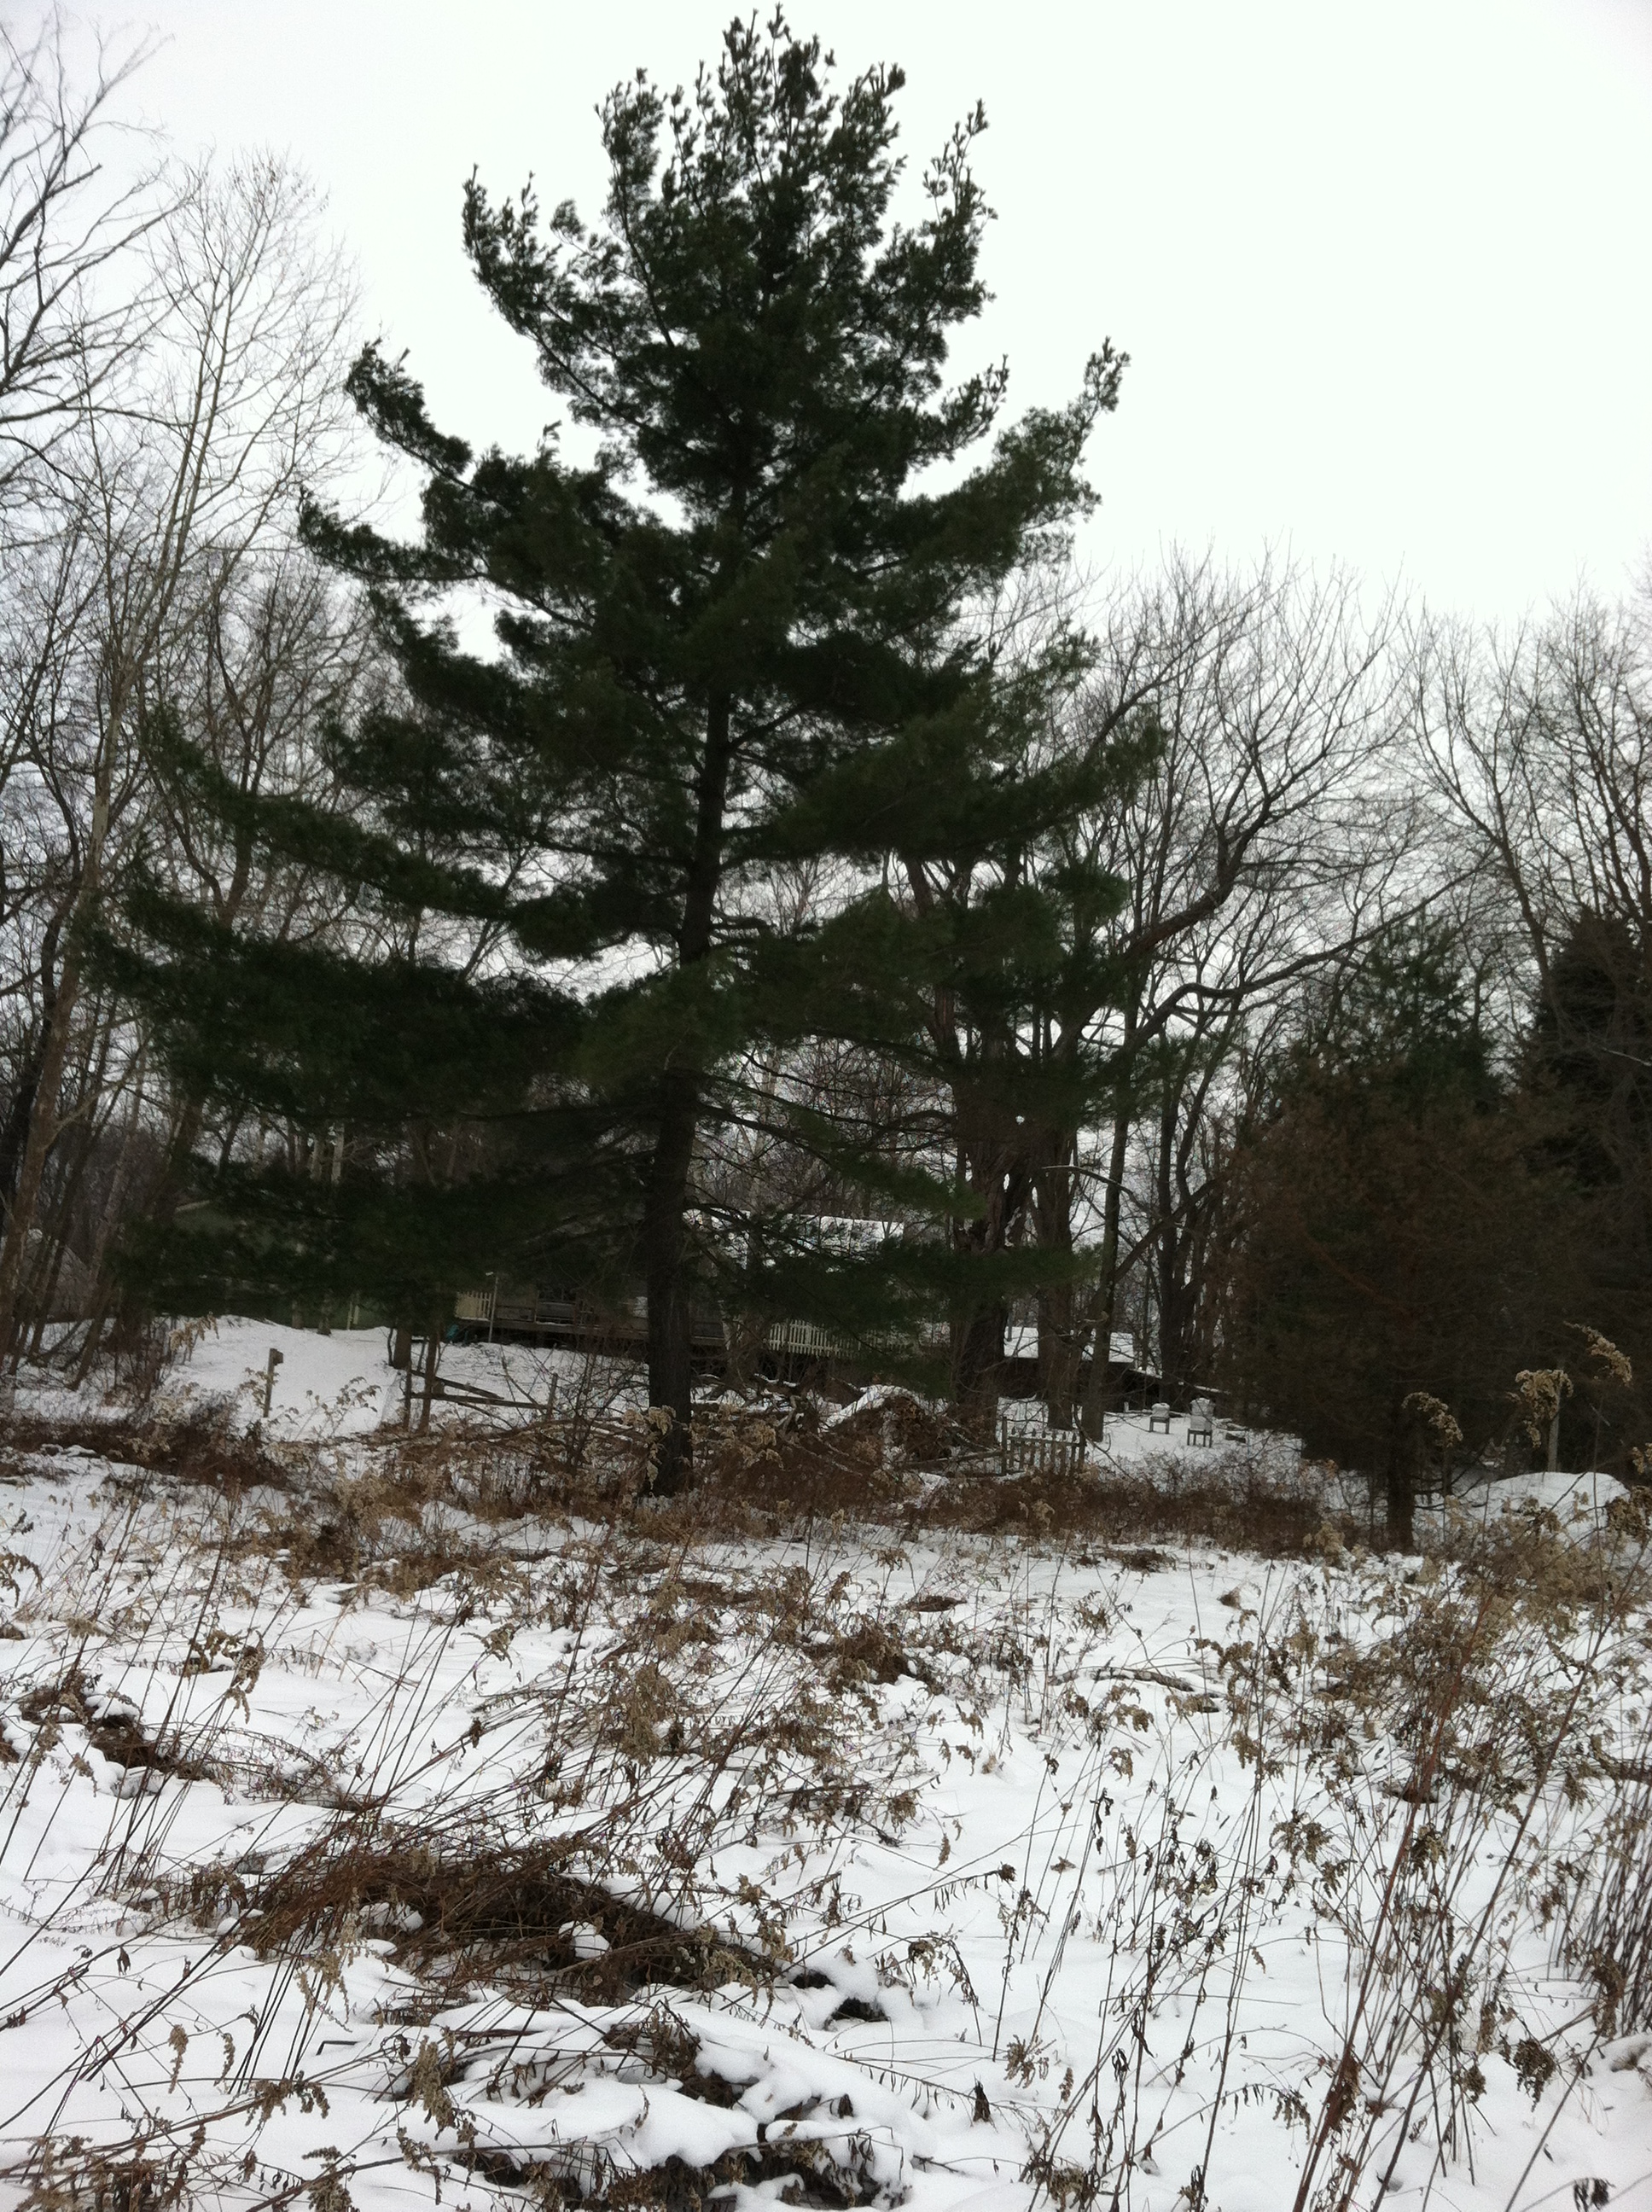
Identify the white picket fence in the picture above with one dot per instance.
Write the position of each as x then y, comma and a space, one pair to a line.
1050, 1453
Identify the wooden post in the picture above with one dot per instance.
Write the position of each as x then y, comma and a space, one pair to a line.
432, 1354
270, 1365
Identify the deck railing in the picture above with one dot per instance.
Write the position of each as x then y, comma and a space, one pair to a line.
807, 1340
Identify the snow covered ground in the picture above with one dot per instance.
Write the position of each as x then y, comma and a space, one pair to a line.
324, 1387
365, 1841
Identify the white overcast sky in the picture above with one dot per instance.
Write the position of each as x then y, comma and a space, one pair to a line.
1382, 270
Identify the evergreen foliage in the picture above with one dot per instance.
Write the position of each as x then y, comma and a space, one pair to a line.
979, 968
1587, 1074
741, 623
1395, 1238
1591, 1051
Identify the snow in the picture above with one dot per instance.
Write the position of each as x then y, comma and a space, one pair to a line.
1045, 1865
1021, 1342
326, 1387
1571, 1497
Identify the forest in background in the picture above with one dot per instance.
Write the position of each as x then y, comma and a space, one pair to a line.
1216, 954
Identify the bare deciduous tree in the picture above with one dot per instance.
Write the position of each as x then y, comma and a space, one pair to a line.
1262, 838
73, 301
169, 484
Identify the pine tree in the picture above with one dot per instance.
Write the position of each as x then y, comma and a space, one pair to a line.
736, 619
1390, 1235
1586, 1080
432, 1145
978, 968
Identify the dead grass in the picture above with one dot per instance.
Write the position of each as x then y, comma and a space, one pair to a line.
525, 1918
760, 1473
1110, 1511
112, 1729
1462, 1725
199, 1447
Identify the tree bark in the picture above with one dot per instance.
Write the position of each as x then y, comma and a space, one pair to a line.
14, 1135
1102, 1309
101, 1291
1059, 1331
54, 1053
1177, 1292
1104, 1305
670, 1377
1402, 1492
42, 1130
42, 1286
992, 1159
977, 1369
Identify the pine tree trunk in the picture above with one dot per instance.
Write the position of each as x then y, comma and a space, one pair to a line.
1401, 1500
977, 1371
1058, 1354
1399, 1480
993, 1151
670, 1375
